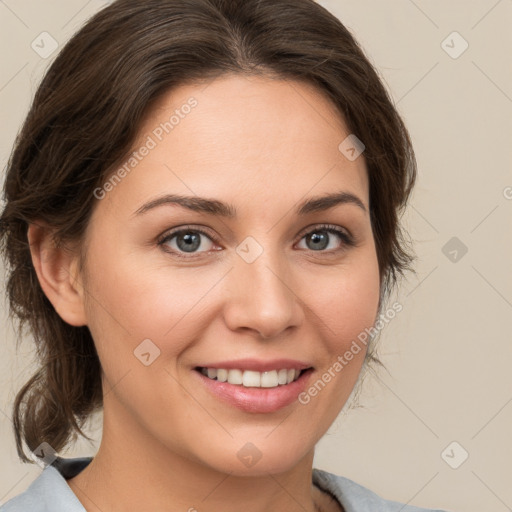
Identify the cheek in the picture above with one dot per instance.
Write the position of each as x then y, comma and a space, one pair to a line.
344, 304
346, 301
130, 301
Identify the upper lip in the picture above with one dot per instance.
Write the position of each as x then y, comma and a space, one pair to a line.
258, 365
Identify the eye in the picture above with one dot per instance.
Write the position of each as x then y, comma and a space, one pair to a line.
319, 238
188, 241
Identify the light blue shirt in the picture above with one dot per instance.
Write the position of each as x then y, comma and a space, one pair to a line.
50, 492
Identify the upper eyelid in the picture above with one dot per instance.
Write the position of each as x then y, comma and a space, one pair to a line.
176, 231
324, 226
206, 231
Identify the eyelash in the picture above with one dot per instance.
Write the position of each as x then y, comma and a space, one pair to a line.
347, 239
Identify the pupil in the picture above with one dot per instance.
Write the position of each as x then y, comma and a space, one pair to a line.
192, 242
316, 238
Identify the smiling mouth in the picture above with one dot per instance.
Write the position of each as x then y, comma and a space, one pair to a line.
253, 379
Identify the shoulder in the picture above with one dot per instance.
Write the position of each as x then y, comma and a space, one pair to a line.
49, 492
356, 498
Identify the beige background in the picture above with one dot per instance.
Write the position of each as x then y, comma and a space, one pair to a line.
449, 351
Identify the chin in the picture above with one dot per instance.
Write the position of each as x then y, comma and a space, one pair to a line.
258, 458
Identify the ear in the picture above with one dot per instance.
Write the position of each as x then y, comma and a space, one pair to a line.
57, 271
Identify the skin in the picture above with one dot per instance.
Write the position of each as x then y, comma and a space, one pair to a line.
262, 145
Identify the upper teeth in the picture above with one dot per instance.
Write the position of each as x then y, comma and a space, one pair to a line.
252, 379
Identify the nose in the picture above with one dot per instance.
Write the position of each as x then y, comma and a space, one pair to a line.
262, 297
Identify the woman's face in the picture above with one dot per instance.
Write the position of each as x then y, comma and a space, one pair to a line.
267, 284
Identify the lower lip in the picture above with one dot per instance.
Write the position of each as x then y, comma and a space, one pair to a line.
257, 400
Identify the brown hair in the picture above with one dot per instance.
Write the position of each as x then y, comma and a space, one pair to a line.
86, 114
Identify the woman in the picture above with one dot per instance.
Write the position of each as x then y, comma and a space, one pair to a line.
180, 163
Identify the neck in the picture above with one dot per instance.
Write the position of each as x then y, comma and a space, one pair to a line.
147, 476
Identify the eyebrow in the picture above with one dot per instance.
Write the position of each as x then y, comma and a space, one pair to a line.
220, 209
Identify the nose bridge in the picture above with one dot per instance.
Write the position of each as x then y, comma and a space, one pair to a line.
263, 299
263, 269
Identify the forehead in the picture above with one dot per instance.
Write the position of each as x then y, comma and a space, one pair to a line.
255, 138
